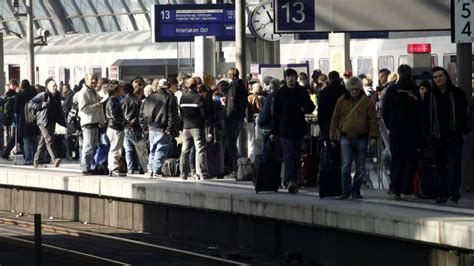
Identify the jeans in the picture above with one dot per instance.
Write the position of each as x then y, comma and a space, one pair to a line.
291, 158
194, 137
90, 141
46, 142
115, 152
130, 140
232, 131
159, 144
30, 144
353, 150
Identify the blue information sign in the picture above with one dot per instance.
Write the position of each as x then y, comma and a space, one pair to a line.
294, 15
181, 23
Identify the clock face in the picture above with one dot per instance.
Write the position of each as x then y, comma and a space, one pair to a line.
261, 23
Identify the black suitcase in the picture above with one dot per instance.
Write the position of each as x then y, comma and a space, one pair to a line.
215, 159
268, 169
330, 184
142, 147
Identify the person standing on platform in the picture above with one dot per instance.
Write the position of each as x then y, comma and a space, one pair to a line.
91, 114
354, 120
48, 112
66, 102
193, 111
403, 119
133, 132
290, 103
327, 101
29, 132
115, 128
9, 102
446, 116
158, 115
235, 102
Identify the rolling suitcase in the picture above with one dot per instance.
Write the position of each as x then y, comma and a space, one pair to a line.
309, 165
268, 169
142, 147
215, 159
330, 184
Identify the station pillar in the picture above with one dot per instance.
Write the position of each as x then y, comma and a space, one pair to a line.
30, 41
205, 59
339, 52
464, 71
2, 73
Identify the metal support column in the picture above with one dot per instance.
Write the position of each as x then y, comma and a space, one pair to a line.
464, 71
339, 52
2, 73
240, 45
30, 41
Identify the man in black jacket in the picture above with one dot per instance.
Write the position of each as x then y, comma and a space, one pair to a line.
327, 102
29, 132
446, 107
235, 110
158, 117
48, 113
193, 111
9, 117
133, 132
67, 96
115, 129
291, 103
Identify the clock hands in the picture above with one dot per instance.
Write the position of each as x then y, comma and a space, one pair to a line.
270, 17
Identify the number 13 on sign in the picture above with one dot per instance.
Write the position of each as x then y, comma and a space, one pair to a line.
463, 21
294, 15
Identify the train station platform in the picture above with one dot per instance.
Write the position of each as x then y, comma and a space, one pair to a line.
448, 225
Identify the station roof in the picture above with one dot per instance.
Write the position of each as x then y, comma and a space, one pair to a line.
62, 17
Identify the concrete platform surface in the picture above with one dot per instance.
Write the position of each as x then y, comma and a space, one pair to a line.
450, 225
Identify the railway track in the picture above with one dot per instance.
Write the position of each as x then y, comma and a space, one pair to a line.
103, 249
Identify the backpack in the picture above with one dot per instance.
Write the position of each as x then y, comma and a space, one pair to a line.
73, 121
8, 109
30, 115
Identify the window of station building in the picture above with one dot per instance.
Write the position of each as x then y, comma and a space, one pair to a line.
365, 66
310, 62
385, 62
324, 65
52, 72
97, 71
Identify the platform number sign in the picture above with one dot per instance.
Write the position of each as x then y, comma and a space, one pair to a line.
294, 15
462, 18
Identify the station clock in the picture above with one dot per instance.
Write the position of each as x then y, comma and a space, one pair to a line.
261, 23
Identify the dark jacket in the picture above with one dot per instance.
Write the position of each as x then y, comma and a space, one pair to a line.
289, 108
8, 108
265, 116
25, 129
52, 113
66, 103
449, 109
114, 114
326, 103
193, 110
131, 109
470, 116
159, 111
236, 100
404, 120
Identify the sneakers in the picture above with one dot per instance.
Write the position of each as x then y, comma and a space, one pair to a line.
158, 175
39, 165
292, 187
86, 173
57, 162
117, 173
184, 177
441, 200
150, 174
397, 197
357, 196
454, 199
345, 196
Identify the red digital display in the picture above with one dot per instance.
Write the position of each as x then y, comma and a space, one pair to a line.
419, 48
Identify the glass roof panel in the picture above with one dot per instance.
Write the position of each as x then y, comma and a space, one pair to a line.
142, 23
101, 6
84, 7
134, 5
93, 24
5, 10
78, 25
124, 22
69, 7
109, 23
38, 10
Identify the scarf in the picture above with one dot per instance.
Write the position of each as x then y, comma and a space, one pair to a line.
434, 121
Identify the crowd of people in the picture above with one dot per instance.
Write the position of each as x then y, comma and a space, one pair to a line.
97, 113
